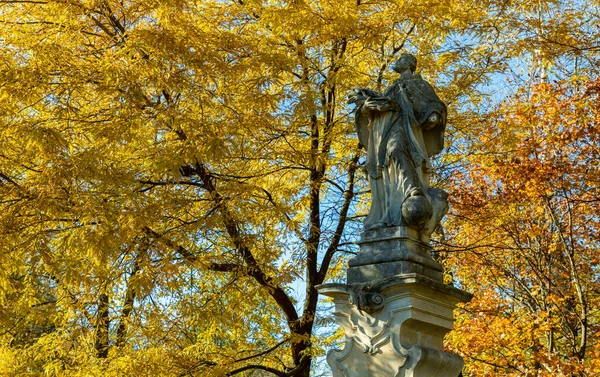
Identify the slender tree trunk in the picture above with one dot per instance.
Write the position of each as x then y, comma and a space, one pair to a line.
102, 324
130, 294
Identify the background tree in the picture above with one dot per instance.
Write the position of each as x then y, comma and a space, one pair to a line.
527, 225
171, 169
523, 232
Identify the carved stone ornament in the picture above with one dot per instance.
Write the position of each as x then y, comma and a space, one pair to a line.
401, 337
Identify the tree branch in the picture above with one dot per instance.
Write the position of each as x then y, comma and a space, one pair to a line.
130, 294
335, 241
189, 256
256, 366
253, 268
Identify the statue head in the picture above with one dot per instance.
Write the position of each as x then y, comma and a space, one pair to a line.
406, 61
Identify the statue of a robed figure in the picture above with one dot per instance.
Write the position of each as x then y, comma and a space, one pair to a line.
400, 130
395, 307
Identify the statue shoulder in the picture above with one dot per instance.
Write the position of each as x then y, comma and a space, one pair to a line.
393, 87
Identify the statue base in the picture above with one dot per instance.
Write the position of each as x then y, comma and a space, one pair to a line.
392, 251
395, 310
395, 329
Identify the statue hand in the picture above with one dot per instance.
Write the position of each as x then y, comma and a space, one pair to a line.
359, 95
380, 104
357, 99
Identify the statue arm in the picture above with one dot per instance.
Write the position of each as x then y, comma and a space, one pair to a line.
359, 95
371, 100
368, 101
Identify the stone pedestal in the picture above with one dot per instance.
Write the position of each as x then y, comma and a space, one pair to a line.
395, 310
392, 251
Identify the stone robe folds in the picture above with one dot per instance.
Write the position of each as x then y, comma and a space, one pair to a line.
400, 130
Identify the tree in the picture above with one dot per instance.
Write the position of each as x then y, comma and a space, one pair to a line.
522, 233
525, 236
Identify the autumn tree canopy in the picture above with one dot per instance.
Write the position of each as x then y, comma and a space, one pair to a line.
172, 171
526, 236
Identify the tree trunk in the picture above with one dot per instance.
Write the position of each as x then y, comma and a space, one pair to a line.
101, 327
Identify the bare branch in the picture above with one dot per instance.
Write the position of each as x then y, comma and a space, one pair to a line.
333, 246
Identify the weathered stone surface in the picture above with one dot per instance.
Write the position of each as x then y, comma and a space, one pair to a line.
395, 309
369, 273
391, 233
401, 129
392, 251
400, 337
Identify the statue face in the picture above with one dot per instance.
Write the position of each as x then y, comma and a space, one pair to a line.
405, 62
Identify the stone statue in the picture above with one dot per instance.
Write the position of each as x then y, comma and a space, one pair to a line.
400, 130
394, 307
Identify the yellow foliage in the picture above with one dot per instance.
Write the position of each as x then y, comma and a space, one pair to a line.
177, 176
